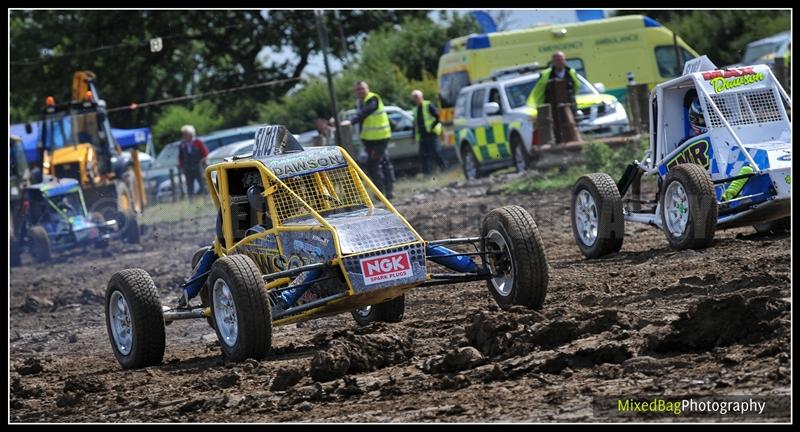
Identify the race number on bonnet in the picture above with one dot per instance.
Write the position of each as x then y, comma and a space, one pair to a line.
386, 267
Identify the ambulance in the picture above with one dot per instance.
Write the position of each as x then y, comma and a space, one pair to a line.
606, 52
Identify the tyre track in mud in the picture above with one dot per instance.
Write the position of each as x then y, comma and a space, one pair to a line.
647, 320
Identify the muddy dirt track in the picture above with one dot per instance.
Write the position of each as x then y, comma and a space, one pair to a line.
648, 320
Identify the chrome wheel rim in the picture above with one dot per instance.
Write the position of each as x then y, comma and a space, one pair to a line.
225, 313
676, 204
470, 166
364, 312
586, 217
121, 323
502, 266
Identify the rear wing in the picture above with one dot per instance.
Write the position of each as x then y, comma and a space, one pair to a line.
273, 140
698, 64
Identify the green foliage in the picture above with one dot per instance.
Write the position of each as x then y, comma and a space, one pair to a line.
393, 60
202, 115
551, 179
722, 35
203, 50
597, 156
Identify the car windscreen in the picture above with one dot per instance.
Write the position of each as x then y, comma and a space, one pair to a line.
517, 94
754, 53
168, 156
449, 86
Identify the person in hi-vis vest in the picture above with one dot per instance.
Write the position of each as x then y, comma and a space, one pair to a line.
375, 132
427, 129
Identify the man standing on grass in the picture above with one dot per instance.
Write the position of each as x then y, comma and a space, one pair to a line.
191, 154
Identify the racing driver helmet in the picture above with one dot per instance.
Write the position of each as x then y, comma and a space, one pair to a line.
696, 119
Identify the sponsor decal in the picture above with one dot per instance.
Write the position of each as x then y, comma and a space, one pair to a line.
732, 78
385, 268
696, 153
321, 240
309, 249
303, 166
788, 179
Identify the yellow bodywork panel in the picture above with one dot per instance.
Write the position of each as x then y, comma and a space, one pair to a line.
303, 196
82, 154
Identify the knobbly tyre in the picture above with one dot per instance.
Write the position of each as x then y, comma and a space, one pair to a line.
303, 234
735, 172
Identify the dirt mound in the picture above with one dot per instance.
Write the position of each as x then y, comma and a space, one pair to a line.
718, 322
718, 317
360, 353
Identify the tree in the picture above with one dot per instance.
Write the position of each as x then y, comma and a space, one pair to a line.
202, 51
722, 35
394, 60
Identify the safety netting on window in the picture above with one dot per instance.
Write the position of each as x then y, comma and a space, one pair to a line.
742, 108
322, 191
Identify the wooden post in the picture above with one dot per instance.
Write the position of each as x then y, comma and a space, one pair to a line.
638, 108
172, 185
347, 140
569, 128
544, 124
180, 185
564, 125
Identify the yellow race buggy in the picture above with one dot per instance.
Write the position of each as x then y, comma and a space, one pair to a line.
304, 233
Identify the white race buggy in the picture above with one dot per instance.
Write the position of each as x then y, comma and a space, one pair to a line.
736, 173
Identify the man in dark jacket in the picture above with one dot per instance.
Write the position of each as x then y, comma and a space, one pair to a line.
191, 154
426, 132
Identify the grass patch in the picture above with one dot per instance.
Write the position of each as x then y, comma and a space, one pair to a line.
179, 211
598, 157
551, 179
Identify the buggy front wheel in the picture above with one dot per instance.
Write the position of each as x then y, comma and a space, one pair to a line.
689, 207
389, 311
596, 212
134, 319
240, 308
515, 254
40, 244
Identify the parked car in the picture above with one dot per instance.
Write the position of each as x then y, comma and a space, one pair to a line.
494, 125
234, 149
403, 151
766, 50
168, 158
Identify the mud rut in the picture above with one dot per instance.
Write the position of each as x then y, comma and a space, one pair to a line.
648, 320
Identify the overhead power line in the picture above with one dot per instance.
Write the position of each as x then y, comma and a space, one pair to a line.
134, 105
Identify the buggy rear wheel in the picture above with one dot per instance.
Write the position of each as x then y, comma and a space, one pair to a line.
390, 311
40, 244
129, 225
134, 319
205, 297
15, 248
689, 207
98, 218
596, 212
240, 308
515, 253
780, 226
